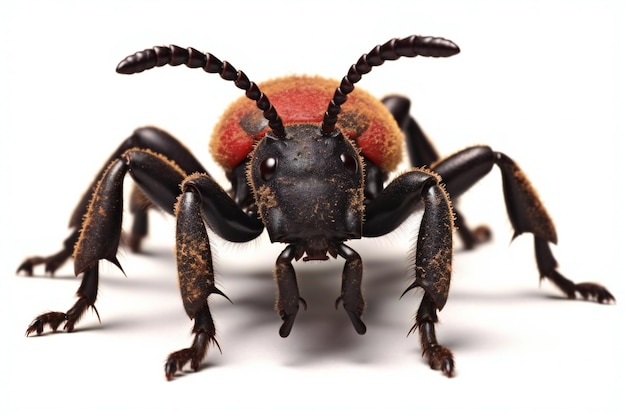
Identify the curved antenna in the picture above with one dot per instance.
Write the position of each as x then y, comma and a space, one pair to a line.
175, 55
411, 46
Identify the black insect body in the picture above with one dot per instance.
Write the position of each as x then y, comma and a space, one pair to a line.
310, 171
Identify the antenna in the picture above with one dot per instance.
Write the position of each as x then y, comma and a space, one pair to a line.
411, 46
175, 55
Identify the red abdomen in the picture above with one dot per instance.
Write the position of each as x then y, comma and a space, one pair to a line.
304, 99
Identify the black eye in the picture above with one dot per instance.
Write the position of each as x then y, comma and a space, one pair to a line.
267, 168
349, 162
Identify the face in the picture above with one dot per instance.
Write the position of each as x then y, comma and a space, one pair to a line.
308, 187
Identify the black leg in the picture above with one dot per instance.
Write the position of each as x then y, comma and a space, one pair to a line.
420, 150
54, 261
87, 293
151, 138
101, 230
433, 255
422, 153
525, 210
439, 357
159, 179
195, 274
139, 206
470, 237
204, 333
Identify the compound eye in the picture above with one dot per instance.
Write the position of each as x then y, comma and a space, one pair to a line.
349, 162
268, 168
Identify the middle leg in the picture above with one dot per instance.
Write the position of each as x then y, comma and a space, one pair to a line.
147, 138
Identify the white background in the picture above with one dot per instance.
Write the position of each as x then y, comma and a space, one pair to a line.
540, 80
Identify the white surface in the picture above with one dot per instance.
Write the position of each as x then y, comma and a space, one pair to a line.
541, 81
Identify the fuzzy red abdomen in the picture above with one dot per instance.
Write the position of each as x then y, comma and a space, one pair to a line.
304, 99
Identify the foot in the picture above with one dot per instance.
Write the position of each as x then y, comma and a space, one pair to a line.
474, 237
54, 319
440, 358
594, 292
587, 290
193, 355
52, 263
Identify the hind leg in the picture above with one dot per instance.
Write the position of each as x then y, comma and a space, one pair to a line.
526, 212
422, 153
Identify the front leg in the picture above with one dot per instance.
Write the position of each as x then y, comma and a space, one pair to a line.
439, 357
202, 203
433, 255
195, 274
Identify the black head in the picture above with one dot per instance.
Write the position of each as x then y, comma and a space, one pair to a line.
308, 188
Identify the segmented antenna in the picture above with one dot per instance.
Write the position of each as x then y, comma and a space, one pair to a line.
395, 48
175, 55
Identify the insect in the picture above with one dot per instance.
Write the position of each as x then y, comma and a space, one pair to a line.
309, 160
